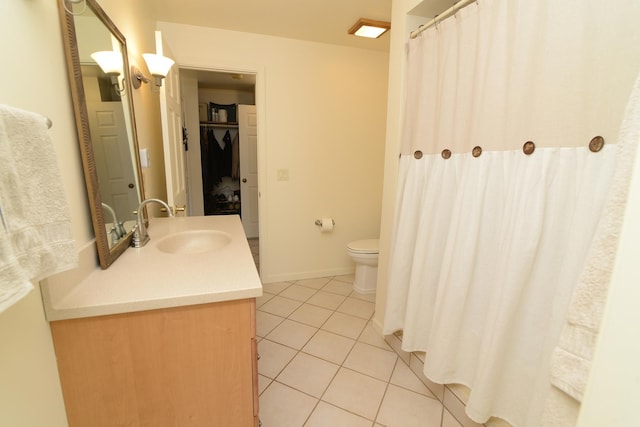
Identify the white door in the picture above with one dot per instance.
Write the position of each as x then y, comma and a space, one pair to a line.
116, 177
174, 150
248, 128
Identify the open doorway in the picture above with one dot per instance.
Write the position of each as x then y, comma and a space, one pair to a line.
221, 126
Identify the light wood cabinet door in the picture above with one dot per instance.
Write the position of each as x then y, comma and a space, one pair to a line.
177, 367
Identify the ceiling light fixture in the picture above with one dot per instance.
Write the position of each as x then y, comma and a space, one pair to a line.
369, 28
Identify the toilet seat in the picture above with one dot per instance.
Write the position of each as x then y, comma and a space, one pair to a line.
366, 246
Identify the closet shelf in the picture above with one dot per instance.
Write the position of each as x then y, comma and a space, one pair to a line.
220, 125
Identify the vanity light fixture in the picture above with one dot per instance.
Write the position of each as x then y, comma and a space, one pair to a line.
369, 28
110, 62
158, 66
137, 78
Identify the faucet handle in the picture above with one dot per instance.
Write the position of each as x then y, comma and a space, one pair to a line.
135, 240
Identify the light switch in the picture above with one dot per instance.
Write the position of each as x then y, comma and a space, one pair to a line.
283, 174
145, 161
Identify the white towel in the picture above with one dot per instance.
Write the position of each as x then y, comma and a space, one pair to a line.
571, 360
35, 223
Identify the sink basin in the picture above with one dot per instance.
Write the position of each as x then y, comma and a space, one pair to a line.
194, 242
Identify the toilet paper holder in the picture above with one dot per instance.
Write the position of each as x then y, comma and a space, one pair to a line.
319, 222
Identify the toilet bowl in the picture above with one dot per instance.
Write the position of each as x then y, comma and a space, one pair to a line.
365, 255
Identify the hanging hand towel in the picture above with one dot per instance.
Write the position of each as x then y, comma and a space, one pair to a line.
35, 223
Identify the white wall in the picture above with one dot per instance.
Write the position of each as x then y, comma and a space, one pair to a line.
34, 77
321, 115
136, 21
402, 26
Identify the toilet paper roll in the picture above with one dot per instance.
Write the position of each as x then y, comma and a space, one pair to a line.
326, 225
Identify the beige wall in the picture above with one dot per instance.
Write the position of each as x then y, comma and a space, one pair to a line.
321, 115
34, 77
136, 21
320, 142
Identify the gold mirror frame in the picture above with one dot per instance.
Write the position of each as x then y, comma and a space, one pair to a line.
106, 254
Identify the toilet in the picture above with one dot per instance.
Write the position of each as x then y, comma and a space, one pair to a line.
365, 254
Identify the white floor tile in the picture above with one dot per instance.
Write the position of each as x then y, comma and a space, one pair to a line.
338, 287
297, 292
371, 336
326, 300
348, 278
346, 363
273, 358
262, 299
276, 287
328, 415
263, 383
372, 361
364, 297
311, 315
308, 374
356, 393
280, 306
331, 347
282, 406
448, 420
292, 334
404, 408
265, 322
404, 377
345, 324
358, 308
316, 283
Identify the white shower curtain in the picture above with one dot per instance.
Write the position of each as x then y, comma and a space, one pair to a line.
487, 250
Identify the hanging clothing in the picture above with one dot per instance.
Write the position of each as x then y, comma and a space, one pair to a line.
225, 160
219, 158
235, 157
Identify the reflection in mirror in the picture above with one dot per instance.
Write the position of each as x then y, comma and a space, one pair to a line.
105, 123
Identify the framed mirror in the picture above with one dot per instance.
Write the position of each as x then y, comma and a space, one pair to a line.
105, 123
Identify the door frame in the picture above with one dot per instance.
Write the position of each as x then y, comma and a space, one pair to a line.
260, 102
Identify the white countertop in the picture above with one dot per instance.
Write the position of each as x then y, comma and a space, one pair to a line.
147, 278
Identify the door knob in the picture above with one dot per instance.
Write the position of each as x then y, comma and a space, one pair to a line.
131, 185
244, 179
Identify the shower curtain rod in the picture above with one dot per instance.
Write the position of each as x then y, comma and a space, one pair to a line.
447, 13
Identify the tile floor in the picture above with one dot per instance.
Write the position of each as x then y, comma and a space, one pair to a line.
322, 364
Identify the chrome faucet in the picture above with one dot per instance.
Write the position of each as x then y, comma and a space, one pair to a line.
117, 231
140, 235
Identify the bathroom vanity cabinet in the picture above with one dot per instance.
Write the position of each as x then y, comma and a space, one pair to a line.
185, 366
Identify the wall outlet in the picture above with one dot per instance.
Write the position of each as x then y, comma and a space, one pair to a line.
283, 174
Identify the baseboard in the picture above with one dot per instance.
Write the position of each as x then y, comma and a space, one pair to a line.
288, 277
